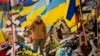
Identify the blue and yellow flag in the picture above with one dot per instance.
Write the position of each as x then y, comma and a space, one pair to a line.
36, 10
26, 10
27, 2
71, 10
23, 6
2, 14
57, 9
1, 19
53, 5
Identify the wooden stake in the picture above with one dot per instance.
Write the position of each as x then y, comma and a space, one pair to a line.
83, 37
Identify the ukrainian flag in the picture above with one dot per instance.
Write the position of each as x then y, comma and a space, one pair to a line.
26, 10
57, 10
1, 19
77, 25
38, 8
2, 15
28, 5
2, 39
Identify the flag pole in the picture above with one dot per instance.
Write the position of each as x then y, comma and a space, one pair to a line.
12, 30
83, 36
96, 33
77, 19
95, 24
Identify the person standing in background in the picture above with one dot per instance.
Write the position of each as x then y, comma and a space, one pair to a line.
39, 33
